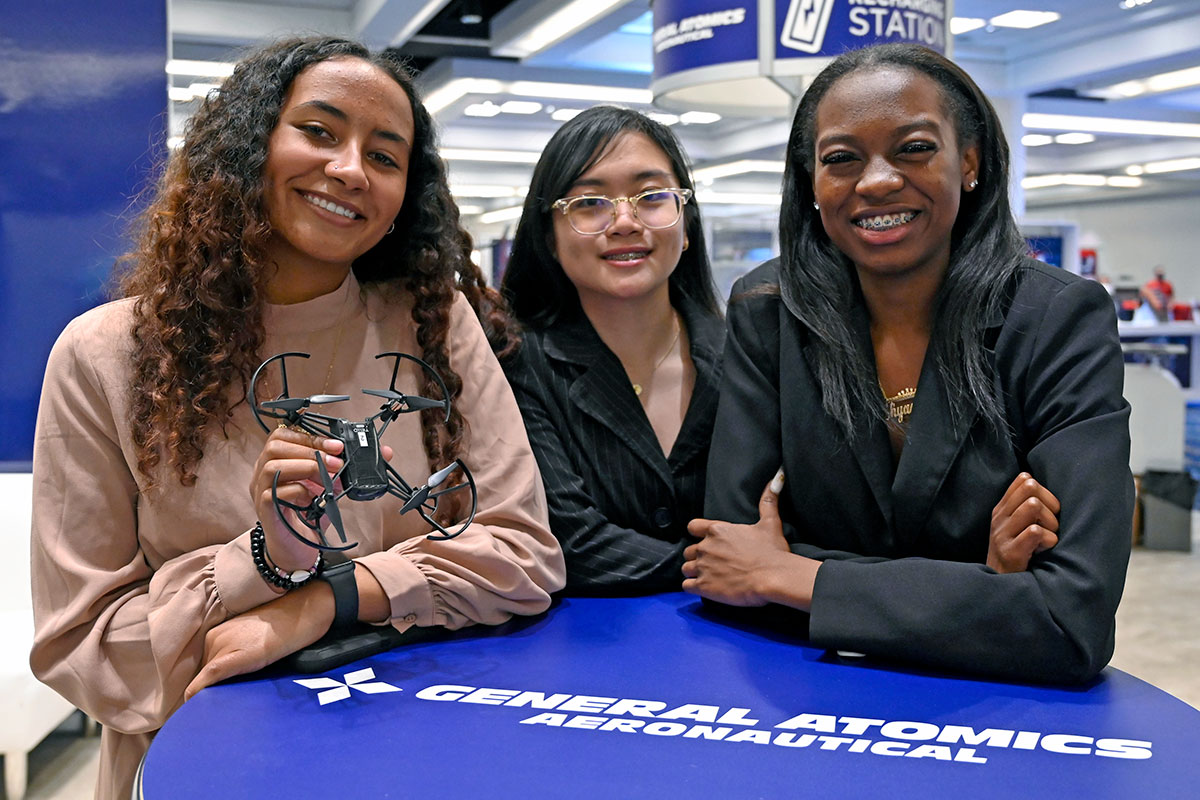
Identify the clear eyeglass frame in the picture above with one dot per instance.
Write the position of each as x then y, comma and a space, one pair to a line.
566, 204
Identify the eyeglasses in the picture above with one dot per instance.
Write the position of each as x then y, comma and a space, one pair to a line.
593, 214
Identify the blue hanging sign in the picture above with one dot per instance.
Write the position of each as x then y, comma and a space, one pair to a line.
746, 56
827, 28
700, 33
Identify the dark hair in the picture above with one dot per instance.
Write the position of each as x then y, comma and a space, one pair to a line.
818, 283
534, 282
200, 266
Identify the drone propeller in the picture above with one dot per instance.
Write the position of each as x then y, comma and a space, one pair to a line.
330, 498
421, 494
297, 403
414, 402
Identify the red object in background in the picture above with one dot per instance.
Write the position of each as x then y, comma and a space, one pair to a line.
1130, 305
1087, 263
1181, 311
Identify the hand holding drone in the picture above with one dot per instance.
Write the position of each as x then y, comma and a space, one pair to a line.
364, 474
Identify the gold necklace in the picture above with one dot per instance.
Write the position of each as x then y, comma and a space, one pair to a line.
637, 387
900, 405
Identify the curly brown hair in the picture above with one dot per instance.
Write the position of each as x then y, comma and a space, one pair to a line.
199, 269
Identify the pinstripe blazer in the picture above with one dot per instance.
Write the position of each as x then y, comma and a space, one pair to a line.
618, 506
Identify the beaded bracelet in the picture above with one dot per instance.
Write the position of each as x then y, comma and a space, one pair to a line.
267, 568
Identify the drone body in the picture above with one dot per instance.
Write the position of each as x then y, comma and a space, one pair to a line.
365, 474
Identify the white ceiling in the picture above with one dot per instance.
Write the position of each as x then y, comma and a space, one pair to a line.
1052, 69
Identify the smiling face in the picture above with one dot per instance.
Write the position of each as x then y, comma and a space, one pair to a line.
888, 172
337, 167
627, 261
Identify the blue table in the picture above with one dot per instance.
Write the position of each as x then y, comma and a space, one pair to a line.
658, 696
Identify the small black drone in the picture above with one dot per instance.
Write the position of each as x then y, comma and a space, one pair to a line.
365, 475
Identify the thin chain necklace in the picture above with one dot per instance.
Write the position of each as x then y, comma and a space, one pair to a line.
900, 405
637, 387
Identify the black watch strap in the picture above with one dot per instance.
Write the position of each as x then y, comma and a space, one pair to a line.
339, 574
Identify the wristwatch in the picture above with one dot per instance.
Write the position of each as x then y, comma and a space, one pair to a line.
339, 574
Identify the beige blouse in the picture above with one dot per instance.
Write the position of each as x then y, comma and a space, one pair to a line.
127, 581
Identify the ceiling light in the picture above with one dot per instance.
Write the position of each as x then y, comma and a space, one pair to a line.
1134, 169
1163, 82
521, 107
1178, 79
740, 198
1171, 165
500, 156
180, 94
1128, 4
1071, 179
1123, 181
565, 114
483, 190
561, 23
201, 90
663, 119
468, 210
1074, 138
1036, 139
485, 109
964, 24
452, 91
470, 12
1136, 127
447, 95
581, 91
739, 167
1024, 19
501, 215
698, 117
200, 69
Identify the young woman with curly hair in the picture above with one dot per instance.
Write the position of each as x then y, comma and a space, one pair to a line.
307, 210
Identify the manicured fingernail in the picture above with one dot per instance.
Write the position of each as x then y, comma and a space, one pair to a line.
777, 482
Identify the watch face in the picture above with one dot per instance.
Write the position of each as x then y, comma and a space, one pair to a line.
300, 576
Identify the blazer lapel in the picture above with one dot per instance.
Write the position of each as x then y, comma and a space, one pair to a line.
872, 452
602, 390
705, 335
935, 437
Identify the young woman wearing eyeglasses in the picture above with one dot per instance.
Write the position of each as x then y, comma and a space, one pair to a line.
617, 373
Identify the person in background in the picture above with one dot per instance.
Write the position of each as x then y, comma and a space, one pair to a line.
1158, 293
617, 372
307, 210
947, 411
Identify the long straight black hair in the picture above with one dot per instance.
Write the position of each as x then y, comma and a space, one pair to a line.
534, 282
818, 283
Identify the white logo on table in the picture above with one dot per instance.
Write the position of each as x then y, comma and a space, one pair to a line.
362, 680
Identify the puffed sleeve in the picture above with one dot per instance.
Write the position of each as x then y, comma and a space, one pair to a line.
506, 562
601, 556
117, 637
1059, 360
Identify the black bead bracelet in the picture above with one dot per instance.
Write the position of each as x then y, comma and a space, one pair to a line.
269, 571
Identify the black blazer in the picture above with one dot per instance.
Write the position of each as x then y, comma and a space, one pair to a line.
904, 547
618, 506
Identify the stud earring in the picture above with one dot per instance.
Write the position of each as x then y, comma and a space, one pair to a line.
972, 184
816, 206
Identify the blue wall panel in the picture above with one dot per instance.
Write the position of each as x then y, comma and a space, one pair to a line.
83, 105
